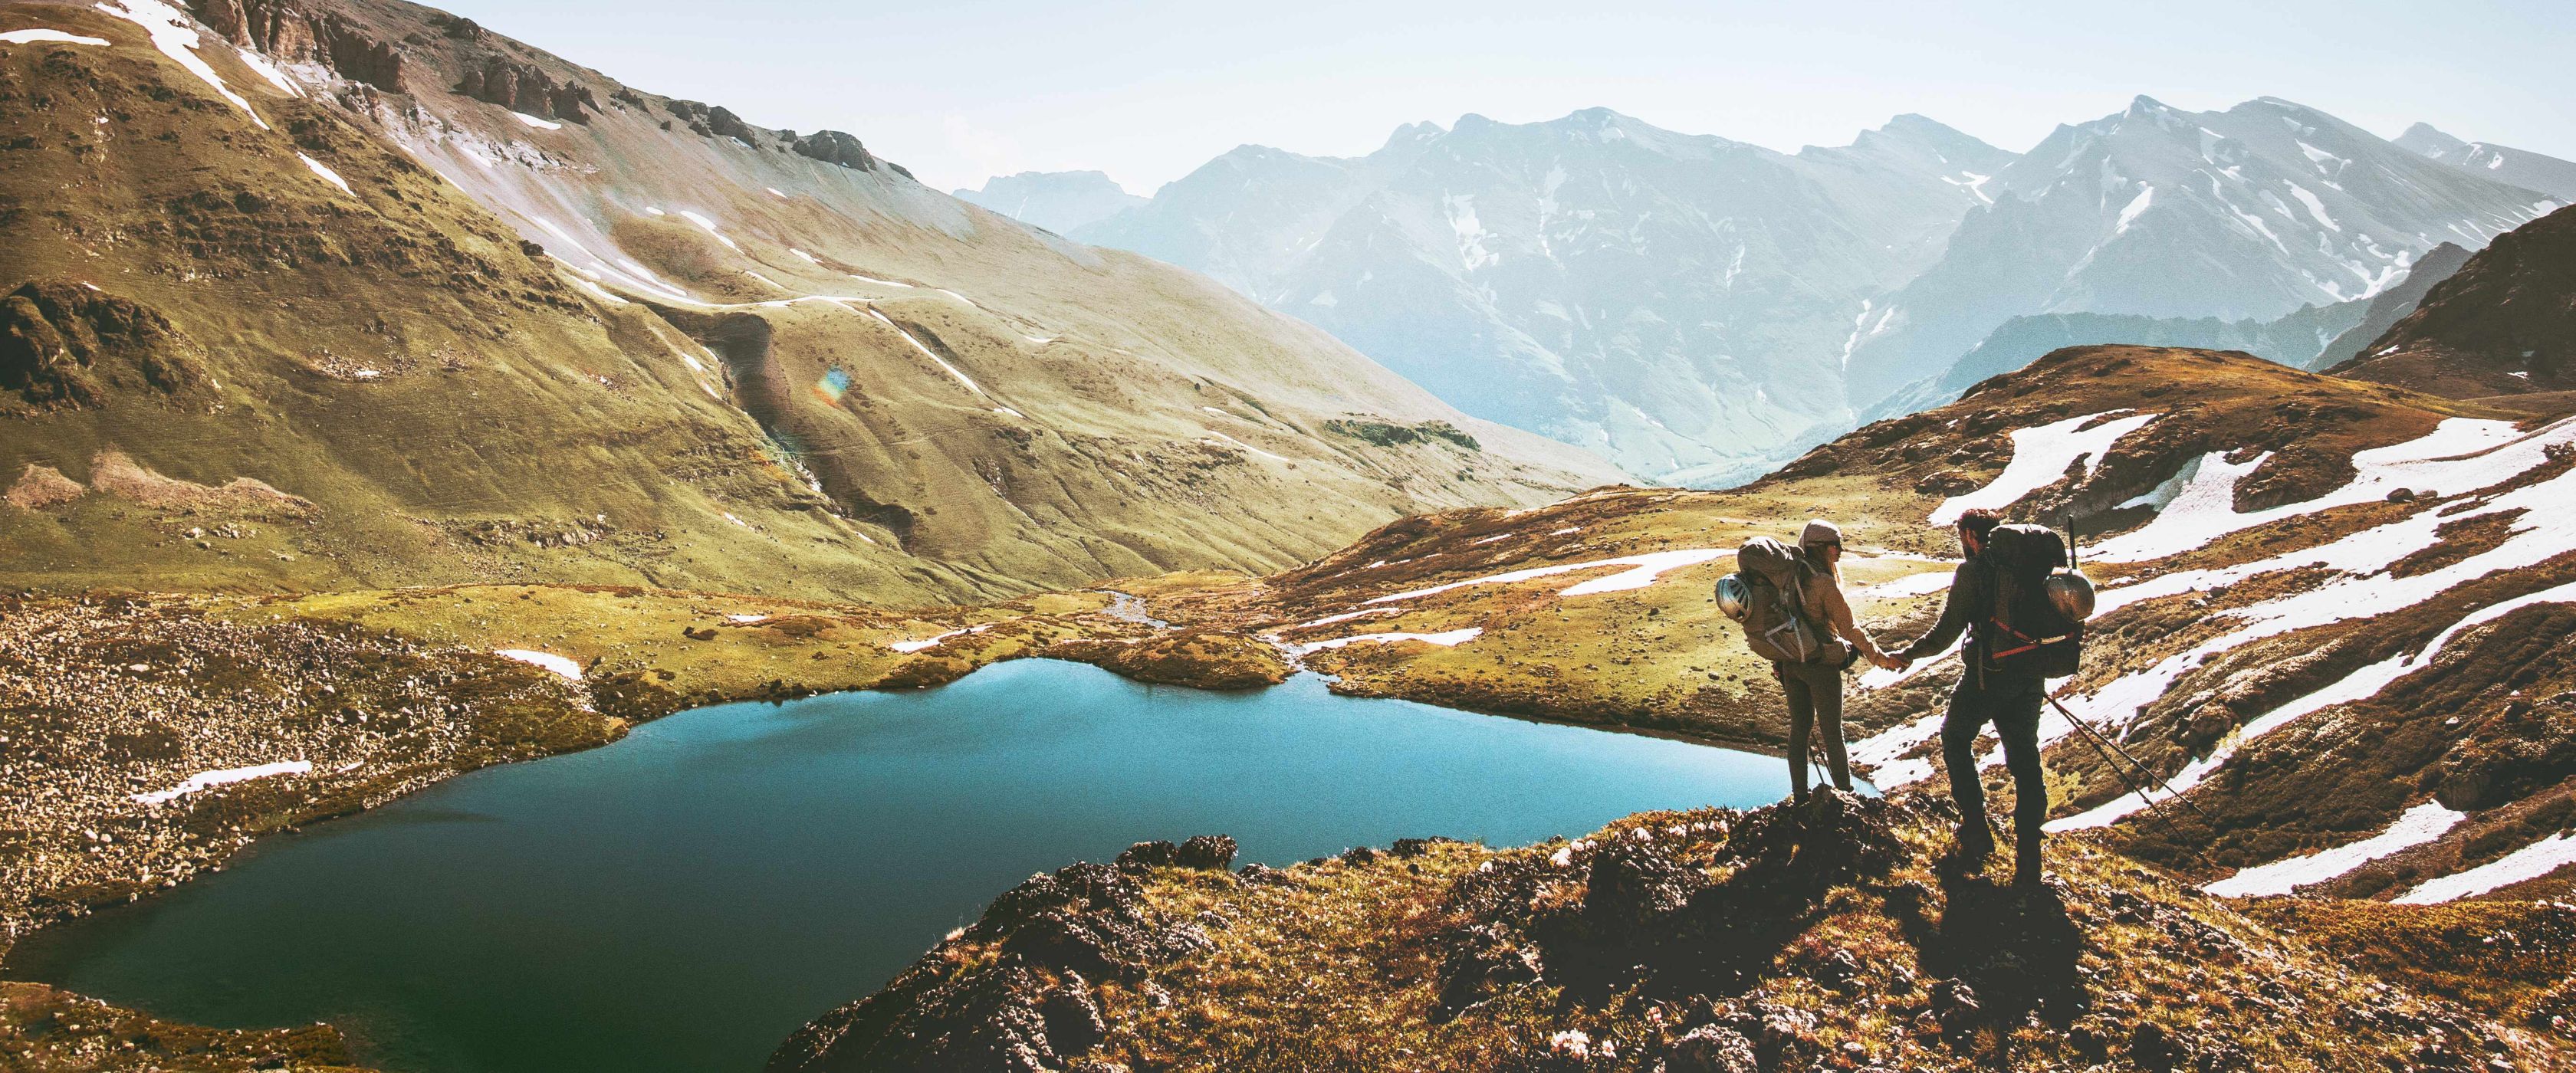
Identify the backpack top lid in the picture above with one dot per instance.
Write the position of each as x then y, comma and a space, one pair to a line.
2027, 550
1769, 560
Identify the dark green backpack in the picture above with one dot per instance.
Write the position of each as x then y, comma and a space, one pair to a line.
2025, 631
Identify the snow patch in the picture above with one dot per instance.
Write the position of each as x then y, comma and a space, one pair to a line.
1249, 447
561, 665
709, 226
934, 642
1922, 584
1451, 639
926, 352
30, 37
2459, 455
206, 780
2040, 458
2316, 208
328, 175
259, 65
2416, 826
1643, 569
2137, 205
533, 121
2530, 862
175, 34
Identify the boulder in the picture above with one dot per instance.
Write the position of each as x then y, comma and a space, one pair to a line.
1711, 1049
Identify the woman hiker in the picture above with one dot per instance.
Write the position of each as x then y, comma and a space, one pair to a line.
1815, 690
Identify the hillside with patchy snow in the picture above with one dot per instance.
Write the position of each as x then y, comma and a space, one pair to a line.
2329, 612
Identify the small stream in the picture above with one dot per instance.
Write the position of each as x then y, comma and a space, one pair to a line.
682, 900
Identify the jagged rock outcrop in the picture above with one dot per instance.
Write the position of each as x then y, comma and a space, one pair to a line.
65, 344
290, 33
523, 87
1015, 992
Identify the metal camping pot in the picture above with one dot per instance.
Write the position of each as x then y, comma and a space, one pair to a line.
1734, 597
2071, 593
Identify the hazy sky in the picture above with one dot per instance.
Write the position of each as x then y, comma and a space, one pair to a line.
1146, 90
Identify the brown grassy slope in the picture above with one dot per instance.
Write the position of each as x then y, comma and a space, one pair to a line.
2504, 325
1832, 940
460, 407
395, 358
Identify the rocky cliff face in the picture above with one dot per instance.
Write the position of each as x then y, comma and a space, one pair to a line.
292, 33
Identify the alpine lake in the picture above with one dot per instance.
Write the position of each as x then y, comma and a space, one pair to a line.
684, 899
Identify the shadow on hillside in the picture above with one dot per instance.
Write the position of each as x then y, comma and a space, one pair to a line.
2016, 948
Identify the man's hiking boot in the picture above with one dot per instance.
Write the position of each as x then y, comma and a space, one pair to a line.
1976, 843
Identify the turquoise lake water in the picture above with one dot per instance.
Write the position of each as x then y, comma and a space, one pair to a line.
682, 900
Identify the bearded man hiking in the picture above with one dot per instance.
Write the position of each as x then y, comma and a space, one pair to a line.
2002, 597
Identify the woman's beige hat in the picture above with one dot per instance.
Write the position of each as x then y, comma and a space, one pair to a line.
1820, 531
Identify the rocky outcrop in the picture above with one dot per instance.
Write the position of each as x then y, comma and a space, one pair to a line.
289, 33
834, 147
70, 345
524, 87
1015, 992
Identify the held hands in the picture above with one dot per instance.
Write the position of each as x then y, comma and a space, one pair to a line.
1887, 662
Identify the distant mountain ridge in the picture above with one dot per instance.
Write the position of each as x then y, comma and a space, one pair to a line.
1056, 200
2503, 163
1699, 309
2247, 213
1678, 302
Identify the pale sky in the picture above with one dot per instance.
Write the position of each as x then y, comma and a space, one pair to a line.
1147, 90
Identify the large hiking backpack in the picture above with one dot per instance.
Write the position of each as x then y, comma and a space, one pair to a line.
1777, 625
2026, 631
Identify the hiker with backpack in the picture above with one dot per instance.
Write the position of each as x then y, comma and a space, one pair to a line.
2024, 621
1795, 615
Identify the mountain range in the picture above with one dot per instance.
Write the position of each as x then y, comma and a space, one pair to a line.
1699, 309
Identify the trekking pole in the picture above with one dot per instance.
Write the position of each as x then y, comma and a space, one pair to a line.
2100, 740
2171, 830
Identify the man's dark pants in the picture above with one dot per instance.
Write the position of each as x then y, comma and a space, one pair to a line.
2011, 703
